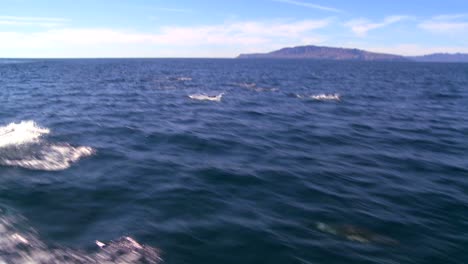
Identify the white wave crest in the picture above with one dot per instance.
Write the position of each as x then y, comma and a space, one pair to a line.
204, 97
21, 133
25, 246
51, 158
326, 97
183, 79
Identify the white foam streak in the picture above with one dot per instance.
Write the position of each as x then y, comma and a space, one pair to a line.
21, 133
203, 97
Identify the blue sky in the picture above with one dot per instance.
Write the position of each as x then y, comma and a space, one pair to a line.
202, 28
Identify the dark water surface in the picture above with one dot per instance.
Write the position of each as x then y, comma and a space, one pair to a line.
112, 148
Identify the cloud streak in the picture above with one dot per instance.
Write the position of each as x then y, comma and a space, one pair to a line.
247, 34
176, 10
32, 21
416, 49
40, 19
310, 5
446, 24
362, 26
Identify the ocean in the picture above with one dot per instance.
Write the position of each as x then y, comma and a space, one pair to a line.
233, 161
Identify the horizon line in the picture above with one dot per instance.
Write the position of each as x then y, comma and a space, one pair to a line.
237, 56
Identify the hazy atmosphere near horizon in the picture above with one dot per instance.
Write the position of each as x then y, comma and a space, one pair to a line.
233, 132
187, 28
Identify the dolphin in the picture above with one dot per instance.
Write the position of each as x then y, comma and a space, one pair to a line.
357, 234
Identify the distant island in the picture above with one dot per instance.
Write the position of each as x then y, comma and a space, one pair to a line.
441, 57
330, 53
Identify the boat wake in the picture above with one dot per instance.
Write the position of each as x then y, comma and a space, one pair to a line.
24, 246
204, 97
21, 145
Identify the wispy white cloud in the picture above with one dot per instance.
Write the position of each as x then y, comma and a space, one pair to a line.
444, 27
176, 10
240, 31
32, 21
41, 19
310, 5
248, 34
32, 24
362, 26
446, 24
416, 49
451, 16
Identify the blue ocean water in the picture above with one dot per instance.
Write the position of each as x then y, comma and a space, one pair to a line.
294, 161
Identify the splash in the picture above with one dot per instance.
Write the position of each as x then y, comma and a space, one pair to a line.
128, 250
24, 132
326, 97
21, 145
204, 97
24, 246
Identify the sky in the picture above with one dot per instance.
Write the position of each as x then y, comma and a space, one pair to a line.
222, 28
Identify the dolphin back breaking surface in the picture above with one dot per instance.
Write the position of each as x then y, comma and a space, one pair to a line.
356, 234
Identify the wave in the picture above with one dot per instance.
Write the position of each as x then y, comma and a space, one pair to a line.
21, 146
25, 246
204, 97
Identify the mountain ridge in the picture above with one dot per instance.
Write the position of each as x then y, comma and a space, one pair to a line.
333, 53
441, 57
